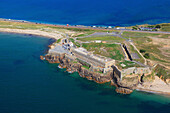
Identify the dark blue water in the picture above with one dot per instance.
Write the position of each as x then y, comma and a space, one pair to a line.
88, 12
29, 85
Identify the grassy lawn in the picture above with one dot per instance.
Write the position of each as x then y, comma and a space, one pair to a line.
75, 43
128, 64
86, 67
7, 24
134, 35
86, 33
142, 42
165, 27
154, 52
103, 38
113, 51
59, 40
161, 72
30, 26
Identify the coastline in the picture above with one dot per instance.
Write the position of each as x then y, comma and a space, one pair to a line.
103, 28
31, 32
157, 86
58, 36
153, 92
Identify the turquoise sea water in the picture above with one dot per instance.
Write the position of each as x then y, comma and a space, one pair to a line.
88, 12
29, 85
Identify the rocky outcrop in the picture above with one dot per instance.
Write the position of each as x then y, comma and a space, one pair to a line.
124, 90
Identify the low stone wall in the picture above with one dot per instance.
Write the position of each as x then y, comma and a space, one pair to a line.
136, 71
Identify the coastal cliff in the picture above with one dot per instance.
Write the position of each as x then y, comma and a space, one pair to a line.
71, 66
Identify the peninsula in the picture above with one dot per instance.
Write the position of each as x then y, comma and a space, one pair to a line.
129, 58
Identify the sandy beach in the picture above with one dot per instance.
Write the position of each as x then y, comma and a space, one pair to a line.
157, 86
33, 32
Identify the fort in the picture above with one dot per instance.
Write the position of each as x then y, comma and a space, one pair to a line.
95, 60
124, 58
92, 66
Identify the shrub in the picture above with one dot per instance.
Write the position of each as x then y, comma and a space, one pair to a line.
59, 40
142, 51
151, 26
158, 26
134, 28
146, 55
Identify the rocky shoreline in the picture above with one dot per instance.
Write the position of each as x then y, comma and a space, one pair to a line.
101, 78
123, 86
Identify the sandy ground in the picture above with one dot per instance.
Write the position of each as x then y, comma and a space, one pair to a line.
33, 32
157, 86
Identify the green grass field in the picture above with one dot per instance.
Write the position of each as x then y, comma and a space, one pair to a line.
165, 27
128, 64
75, 43
113, 51
142, 41
102, 38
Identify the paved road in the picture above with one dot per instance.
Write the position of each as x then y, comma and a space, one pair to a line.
162, 32
100, 34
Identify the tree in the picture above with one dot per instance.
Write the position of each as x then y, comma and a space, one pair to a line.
134, 28
158, 26
142, 51
150, 26
146, 55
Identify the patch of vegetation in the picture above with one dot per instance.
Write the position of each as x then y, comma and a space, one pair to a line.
142, 51
79, 30
152, 57
145, 45
85, 34
113, 51
32, 26
59, 40
130, 79
138, 34
128, 64
99, 72
161, 72
75, 43
134, 28
149, 77
75, 62
158, 26
165, 27
147, 55
103, 38
86, 67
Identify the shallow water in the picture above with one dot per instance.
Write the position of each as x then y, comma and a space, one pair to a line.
88, 12
30, 85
